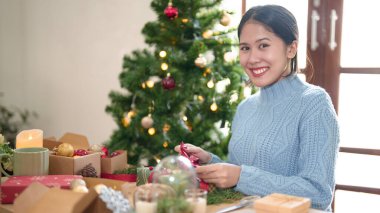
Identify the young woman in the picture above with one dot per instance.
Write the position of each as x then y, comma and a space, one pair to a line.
284, 137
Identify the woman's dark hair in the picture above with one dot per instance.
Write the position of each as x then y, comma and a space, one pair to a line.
276, 19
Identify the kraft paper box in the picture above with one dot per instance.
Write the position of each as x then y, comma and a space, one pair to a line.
59, 165
111, 164
15, 185
282, 203
39, 198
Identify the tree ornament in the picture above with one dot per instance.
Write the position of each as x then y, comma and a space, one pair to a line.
226, 19
65, 149
201, 61
185, 20
168, 82
104, 152
80, 152
207, 34
147, 121
166, 128
88, 171
170, 11
126, 121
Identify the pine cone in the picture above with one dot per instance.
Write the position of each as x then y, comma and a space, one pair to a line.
88, 171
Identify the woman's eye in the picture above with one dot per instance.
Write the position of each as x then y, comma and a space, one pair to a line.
244, 48
263, 46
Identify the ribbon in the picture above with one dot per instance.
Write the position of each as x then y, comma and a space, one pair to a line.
195, 162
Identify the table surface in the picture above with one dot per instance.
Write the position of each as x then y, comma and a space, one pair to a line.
131, 187
210, 209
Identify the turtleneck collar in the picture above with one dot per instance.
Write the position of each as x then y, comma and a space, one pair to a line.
283, 88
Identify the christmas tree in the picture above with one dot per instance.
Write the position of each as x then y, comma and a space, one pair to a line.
185, 87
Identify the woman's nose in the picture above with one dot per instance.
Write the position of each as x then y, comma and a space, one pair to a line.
253, 57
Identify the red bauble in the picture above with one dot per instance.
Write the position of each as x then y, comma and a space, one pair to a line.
104, 152
80, 152
171, 12
168, 83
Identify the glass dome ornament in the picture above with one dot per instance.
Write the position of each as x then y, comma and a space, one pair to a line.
177, 172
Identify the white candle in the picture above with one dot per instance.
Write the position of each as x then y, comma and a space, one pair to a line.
29, 138
199, 204
146, 207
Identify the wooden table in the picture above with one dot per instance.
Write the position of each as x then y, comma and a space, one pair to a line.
131, 187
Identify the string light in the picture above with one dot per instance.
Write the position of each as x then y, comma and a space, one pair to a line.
184, 118
165, 144
143, 85
185, 20
164, 66
149, 84
151, 131
162, 54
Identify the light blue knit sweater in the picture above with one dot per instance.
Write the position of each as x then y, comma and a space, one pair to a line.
285, 137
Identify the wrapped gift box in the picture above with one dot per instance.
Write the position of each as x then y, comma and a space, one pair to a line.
13, 186
111, 164
38, 198
282, 203
61, 165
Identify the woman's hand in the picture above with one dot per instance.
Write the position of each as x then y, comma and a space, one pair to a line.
222, 175
204, 157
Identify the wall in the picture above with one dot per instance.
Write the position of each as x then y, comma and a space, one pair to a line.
61, 59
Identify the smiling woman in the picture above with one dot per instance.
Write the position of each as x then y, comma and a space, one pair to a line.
285, 137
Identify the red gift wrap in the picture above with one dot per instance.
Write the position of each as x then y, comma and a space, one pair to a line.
14, 186
122, 177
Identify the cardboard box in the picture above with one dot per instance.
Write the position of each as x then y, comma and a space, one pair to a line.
15, 185
111, 164
59, 165
63, 201
282, 203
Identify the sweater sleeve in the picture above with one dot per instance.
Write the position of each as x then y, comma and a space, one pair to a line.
315, 179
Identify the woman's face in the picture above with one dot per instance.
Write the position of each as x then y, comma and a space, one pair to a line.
264, 56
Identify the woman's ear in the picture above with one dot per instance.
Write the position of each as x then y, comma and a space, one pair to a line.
292, 49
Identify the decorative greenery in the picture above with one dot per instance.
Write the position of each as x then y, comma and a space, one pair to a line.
223, 196
173, 205
6, 161
128, 171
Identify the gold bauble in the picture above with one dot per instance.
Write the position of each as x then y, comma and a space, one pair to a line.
200, 62
147, 121
225, 20
65, 149
126, 121
207, 34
